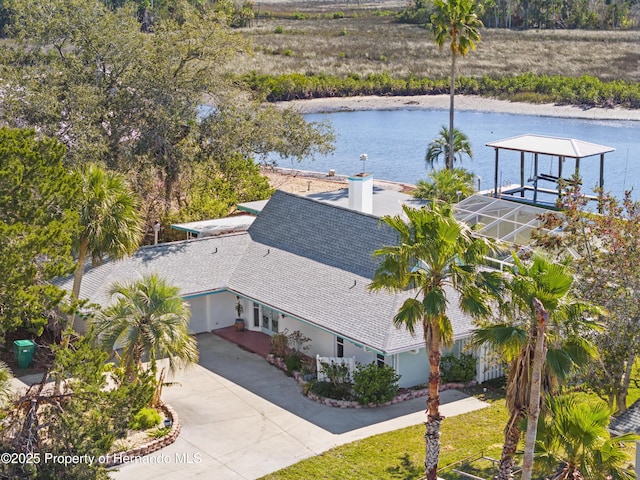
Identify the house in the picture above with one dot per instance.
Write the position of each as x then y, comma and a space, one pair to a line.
303, 264
628, 422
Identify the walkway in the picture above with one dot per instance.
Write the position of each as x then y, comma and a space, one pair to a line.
242, 418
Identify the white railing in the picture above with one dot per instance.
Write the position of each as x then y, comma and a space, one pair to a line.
488, 368
350, 362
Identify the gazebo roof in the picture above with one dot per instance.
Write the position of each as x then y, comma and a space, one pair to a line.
556, 146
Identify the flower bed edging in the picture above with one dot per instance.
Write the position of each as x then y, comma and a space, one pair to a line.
330, 402
114, 459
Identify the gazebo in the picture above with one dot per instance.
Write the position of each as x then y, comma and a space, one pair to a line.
558, 148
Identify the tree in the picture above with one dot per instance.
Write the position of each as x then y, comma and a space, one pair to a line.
539, 351
574, 442
515, 336
84, 419
37, 224
5, 381
440, 147
148, 317
134, 101
435, 253
446, 185
607, 251
456, 21
110, 222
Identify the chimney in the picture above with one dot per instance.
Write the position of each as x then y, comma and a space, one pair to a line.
361, 192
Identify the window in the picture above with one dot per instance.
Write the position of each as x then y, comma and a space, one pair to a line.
380, 360
339, 347
256, 315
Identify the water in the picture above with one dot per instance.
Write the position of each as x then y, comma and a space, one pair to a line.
396, 142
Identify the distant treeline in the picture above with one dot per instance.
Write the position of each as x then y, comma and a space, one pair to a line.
525, 14
584, 90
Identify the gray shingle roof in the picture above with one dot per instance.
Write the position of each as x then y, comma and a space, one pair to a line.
305, 258
195, 266
628, 422
324, 233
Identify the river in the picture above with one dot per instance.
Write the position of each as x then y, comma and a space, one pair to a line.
395, 142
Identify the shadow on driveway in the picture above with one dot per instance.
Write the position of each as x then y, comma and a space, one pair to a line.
253, 373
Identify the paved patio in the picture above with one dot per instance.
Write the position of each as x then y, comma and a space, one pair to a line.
242, 418
255, 342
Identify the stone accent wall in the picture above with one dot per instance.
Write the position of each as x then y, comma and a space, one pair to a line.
153, 445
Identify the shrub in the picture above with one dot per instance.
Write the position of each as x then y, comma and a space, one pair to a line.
160, 432
298, 16
280, 344
327, 390
338, 15
454, 369
339, 384
375, 384
293, 363
287, 52
298, 342
308, 366
279, 29
144, 419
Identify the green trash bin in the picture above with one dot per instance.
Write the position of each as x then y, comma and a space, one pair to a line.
24, 350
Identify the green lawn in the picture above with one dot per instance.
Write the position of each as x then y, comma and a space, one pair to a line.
400, 454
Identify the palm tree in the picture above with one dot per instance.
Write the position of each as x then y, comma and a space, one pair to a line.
446, 185
575, 444
458, 22
148, 317
565, 345
110, 222
440, 147
435, 253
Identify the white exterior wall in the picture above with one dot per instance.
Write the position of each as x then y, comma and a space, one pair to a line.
212, 311
322, 343
413, 368
351, 350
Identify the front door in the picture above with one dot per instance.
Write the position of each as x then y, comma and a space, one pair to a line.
270, 320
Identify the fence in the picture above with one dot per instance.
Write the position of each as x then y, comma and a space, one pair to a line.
488, 366
350, 362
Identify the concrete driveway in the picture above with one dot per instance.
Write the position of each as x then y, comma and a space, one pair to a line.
242, 418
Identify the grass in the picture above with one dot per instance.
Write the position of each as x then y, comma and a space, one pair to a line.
321, 43
400, 454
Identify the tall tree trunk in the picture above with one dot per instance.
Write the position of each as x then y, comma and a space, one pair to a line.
452, 94
511, 440
534, 400
75, 294
133, 361
77, 277
621, 395
432, 434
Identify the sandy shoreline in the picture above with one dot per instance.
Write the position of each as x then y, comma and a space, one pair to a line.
462, 102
